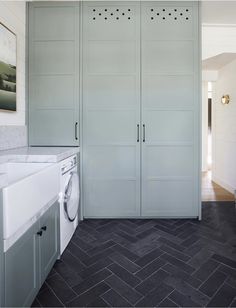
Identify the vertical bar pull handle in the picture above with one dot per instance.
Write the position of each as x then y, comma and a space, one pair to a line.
76, 130
137, 132
144, 137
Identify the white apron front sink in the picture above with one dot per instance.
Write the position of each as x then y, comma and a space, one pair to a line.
30, 186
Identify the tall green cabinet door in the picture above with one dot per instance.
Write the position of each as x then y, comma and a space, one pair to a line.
111, 109
49, 241
53, 46
21, 270
170, 109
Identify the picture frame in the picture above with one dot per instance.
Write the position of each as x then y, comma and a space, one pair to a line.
8, 69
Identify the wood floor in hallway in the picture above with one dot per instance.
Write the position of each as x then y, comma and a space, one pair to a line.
212, 191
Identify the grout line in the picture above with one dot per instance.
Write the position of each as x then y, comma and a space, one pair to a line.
126, 271
129, 287
128, 261
170, 298
117, 293
177, 252
78, 295
208, 276
65, 283
53, 293
161, 268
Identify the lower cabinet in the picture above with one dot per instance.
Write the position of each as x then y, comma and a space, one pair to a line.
21, 270
30, 259
49, 241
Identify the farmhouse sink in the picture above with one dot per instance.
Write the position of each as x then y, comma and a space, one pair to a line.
30, 186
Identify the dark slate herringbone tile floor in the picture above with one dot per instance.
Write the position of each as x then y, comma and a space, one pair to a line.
148, 263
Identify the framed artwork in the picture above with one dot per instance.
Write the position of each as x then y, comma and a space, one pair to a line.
7, 69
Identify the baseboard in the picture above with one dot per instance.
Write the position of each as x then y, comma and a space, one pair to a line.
223, 184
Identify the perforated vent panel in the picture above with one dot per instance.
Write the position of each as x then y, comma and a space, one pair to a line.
165, 21
170, 14
111, 14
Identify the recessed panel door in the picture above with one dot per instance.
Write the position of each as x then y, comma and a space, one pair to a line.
54, 73
170, 109
111, 109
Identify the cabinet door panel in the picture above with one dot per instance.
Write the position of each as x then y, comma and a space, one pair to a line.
111, 109
48, 129
54, 22
50, 92
172, 126
21, 270
49, 241
158, 94
54, 74
170, 109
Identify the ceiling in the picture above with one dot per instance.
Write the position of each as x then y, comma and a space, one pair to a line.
219, 61
219, 12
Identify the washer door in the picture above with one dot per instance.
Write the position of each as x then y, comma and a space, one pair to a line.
71, 198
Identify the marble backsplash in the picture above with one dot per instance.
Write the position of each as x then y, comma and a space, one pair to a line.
12, 137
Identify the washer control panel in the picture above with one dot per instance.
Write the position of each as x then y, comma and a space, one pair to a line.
68, 164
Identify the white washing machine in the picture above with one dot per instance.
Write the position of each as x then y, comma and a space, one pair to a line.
69, 200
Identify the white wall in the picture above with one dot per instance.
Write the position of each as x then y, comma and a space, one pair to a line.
217, 39
224, 128
12, 15
204, 124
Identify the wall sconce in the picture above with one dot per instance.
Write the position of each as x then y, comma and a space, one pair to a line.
225, 99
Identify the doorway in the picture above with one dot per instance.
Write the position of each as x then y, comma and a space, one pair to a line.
211, 191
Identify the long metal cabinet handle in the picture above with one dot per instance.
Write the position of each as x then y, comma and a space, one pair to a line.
76, 127
137, 132
144, 137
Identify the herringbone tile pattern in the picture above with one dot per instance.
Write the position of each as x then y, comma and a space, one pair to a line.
148, 263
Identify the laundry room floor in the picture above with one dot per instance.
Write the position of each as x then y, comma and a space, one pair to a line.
148, 263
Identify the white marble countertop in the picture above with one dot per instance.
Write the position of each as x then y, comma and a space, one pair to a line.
37, 154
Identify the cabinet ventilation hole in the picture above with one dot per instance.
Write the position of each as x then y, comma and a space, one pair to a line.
170, 14
110, 14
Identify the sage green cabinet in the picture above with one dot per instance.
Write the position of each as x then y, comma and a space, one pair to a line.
53, 51
21, 270
49, 241
30, 259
